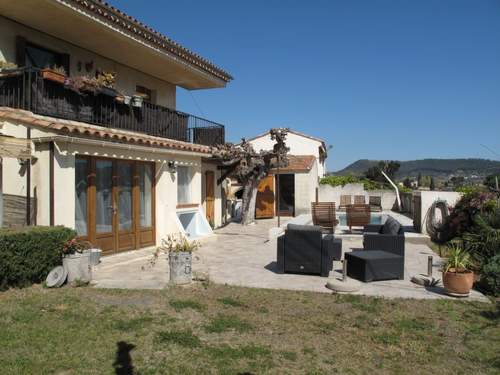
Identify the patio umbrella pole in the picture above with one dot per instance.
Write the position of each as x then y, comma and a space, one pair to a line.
278, 192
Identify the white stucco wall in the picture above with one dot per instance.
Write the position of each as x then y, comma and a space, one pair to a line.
127, 78
429, 197
299, 145
305, 190
328, 193
64, 179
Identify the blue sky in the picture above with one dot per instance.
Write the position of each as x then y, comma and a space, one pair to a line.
377, 79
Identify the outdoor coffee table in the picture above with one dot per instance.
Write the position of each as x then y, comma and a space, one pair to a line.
372, 265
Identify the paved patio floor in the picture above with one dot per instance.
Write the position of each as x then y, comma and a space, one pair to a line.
245, 256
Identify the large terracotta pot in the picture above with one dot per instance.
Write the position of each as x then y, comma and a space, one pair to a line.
458, 282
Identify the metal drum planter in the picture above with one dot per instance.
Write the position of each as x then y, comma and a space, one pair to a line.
180, 267
78, 266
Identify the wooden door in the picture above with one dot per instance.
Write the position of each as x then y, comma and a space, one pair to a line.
264, 206
116, 206
210, 197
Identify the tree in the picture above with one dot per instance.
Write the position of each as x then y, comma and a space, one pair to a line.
407, 183
419, 179
490, 181
249, 167
390, 168
432, 185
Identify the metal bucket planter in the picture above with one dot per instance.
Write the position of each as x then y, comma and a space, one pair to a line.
78, 266
95, 256
137, 101
180, 267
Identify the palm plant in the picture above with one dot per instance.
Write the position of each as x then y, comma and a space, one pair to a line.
483, 240
458, 260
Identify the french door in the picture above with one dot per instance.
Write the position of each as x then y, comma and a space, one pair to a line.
114, 205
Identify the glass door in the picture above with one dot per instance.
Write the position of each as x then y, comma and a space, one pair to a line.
114, 203
145, 197
104, 209
125, 205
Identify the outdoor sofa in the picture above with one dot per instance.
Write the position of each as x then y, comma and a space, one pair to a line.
389, 236
305, 249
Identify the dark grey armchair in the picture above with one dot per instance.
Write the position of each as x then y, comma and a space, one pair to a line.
304, 249
388, 237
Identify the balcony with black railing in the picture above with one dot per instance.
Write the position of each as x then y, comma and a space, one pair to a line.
27, 89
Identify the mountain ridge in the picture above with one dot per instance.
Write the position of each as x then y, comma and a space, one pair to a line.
466, 167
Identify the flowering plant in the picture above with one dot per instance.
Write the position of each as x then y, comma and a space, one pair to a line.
174, 243
74, 246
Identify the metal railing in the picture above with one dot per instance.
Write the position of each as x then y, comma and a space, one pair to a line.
27, 89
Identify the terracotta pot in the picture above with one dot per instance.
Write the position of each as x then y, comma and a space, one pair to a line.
51, 75
458, 282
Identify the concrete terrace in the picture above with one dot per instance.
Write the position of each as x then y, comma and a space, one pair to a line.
246, 256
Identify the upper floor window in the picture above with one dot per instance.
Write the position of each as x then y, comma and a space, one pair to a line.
183, 185
39, 57
147, 94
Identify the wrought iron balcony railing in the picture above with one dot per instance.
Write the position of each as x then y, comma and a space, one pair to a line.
27, 89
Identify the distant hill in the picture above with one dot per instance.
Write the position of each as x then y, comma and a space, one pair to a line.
442, 168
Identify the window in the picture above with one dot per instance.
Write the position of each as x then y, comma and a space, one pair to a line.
147, 94
183, 185
81, 171
39, 57
145, 172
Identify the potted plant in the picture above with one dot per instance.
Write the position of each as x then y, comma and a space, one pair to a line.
179, 251
106, 82
55, 74
76, 260
457, 276
137, 100
83, 83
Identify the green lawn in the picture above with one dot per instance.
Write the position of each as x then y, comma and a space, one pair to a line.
229, 330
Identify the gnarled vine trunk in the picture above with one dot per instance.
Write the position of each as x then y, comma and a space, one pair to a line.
249, 167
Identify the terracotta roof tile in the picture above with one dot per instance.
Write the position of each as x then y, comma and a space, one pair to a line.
297, 164
79, 128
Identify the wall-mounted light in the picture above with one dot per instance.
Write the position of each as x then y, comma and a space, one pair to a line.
172, 166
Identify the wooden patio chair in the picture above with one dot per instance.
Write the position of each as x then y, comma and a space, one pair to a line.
345, 200
375, 203
324, 216
358, 215
359, 199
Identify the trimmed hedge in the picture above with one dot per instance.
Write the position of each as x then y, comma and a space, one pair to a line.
27, 255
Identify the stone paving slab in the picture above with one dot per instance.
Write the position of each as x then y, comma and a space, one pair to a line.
246, 256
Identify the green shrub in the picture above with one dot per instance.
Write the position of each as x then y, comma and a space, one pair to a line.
339, 180
27, 255
351, 179
490, 276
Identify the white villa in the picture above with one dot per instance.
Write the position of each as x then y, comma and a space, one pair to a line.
121, 165
297, 182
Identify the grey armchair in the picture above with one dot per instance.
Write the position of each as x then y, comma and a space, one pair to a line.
304, 249
388, 237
